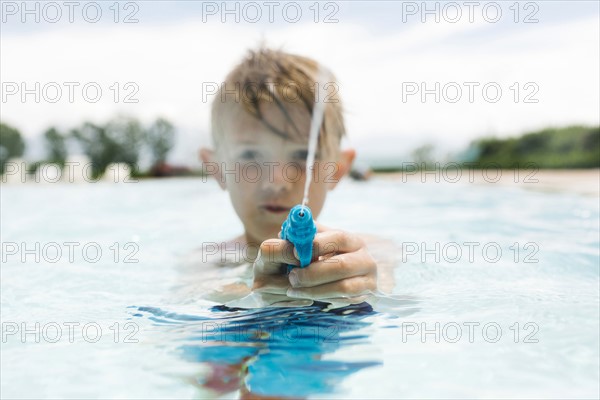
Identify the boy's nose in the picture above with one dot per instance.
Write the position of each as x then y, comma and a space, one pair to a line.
277, 179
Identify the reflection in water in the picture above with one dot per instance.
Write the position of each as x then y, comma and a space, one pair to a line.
272, 351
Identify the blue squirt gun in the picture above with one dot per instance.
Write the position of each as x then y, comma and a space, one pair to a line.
299, 228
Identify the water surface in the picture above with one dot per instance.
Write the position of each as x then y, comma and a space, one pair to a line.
528, 320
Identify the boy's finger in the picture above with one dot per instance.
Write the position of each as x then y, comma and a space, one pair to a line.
321, 227
351, 287
335, 242
331, 269
272, 254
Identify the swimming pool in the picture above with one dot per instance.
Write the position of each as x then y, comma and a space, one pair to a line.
497, 296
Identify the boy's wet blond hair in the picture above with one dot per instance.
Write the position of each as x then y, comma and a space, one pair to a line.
282, 80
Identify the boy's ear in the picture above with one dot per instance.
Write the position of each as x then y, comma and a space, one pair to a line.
343, 166
210, 165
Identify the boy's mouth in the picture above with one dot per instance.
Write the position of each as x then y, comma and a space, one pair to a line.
275, 208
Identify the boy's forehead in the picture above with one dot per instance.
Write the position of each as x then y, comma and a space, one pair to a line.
238, 127
291, 123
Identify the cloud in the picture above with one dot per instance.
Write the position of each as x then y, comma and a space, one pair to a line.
170, 62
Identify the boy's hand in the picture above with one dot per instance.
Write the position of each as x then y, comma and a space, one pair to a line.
342, 269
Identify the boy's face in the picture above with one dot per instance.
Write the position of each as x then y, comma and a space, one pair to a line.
265, 173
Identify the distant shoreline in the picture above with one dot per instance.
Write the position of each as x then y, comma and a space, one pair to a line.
583, 181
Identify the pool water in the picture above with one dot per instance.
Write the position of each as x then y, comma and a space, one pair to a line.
124, 314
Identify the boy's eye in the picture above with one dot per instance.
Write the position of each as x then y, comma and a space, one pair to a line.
301, 155
249, 155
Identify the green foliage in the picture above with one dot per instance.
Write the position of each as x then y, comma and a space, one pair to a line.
129, 136
56, 146
160, 138
120, 140
11, 144
571, 147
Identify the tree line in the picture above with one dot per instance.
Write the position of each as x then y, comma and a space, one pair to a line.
120, 140
569, 147
574, 146
125, 139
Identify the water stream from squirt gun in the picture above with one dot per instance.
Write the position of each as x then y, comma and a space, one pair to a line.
299, 227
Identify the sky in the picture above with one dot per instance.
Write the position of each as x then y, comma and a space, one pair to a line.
405, 78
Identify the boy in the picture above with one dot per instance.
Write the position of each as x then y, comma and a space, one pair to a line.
261, 118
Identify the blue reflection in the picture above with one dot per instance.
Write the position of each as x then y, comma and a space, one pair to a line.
272, 351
